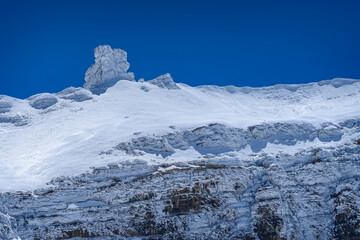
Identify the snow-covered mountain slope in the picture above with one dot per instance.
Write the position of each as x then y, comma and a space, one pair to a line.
118, 130
50, 135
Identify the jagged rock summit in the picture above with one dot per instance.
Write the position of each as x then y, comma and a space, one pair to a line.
110, 66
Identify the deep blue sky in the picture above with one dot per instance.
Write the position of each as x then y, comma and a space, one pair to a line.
46, 46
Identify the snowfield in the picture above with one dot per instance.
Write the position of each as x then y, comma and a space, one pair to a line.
66, 136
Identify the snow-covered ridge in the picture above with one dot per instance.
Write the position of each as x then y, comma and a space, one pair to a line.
336, 82
66, 133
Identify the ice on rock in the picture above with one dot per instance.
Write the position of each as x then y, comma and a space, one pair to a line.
165, 81
43, 100
110, 66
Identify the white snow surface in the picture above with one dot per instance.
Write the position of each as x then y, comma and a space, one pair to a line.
67, 137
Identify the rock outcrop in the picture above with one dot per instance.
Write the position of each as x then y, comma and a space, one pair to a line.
110, 66
217, 138
43, 100
5, 106
16, 120
164, 81
75, 94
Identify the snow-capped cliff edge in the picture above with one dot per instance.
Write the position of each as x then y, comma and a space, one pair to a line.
262, 162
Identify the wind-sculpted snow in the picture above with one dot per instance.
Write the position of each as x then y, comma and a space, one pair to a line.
338, 82
304, 89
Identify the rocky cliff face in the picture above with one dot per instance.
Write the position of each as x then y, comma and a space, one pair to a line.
311, 194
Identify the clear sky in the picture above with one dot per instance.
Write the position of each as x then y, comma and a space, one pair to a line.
46, 46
